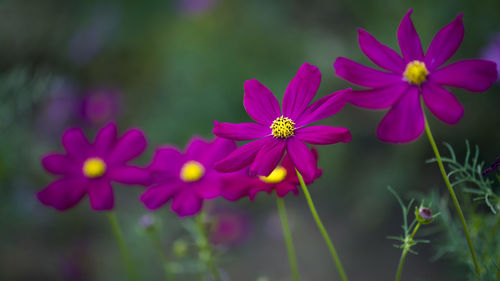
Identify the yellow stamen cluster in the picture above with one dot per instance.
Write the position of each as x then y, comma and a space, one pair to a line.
94, 167
276, 176
192, 171
416, 73
283, 127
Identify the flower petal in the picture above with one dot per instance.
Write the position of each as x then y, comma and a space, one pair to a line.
283, 188
167, 159
59, 164
186, 203
362, 75
301, 90
405, 121
156, 196
242, 156
63, 193
379, 53
378, 98
196, 147
260, 103
322, 134
268, 157
240, 132
210, 186
409, 42
236, 185
442, 103
291, 176
323, 108
105, 139
75, 143
302, 158
257, 187
445, 43
472, 75
101, 195
130, 175
129, 146
219, 148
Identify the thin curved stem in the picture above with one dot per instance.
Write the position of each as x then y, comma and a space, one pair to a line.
321, 227
127, 260
292, 258
206, 249
405, 252
453, 196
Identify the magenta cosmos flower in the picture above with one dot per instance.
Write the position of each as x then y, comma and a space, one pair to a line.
89, 168
283, 179
399, 88
277, 131
186, 178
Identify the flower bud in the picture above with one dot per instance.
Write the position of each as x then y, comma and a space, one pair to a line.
180, 248
423, 215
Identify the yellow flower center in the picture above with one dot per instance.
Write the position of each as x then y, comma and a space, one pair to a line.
94, 167
416, 73
276, 176
283, 127
192, 171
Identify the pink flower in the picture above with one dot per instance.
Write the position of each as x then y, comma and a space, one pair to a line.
100, 106
89, 168
413, 75
186, 178
492, 51
277, 131
231, 227
283, 179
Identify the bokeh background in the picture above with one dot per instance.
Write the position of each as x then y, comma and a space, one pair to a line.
171, 68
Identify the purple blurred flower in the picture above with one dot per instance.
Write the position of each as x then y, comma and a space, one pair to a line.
413, 75
231, 227
59, 108
147, 221
90, 168
186, 178
196, 7
492, 51
283, 180
495, 165
100, 106
90, 39
280, 131
76, 265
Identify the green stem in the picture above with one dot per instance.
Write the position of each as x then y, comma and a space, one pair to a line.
153, 234
408, 244
288, 239
322, 228
206, 251
127, 260
453, 196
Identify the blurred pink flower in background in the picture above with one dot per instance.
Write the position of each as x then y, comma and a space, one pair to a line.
492, 51
100, 106
196, 7
231, 227
58, 110
77, 263
89, 39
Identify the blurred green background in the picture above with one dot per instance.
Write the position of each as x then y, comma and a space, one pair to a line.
171, 68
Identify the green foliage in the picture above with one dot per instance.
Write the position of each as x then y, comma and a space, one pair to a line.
407, 240
483, 225
469, 176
